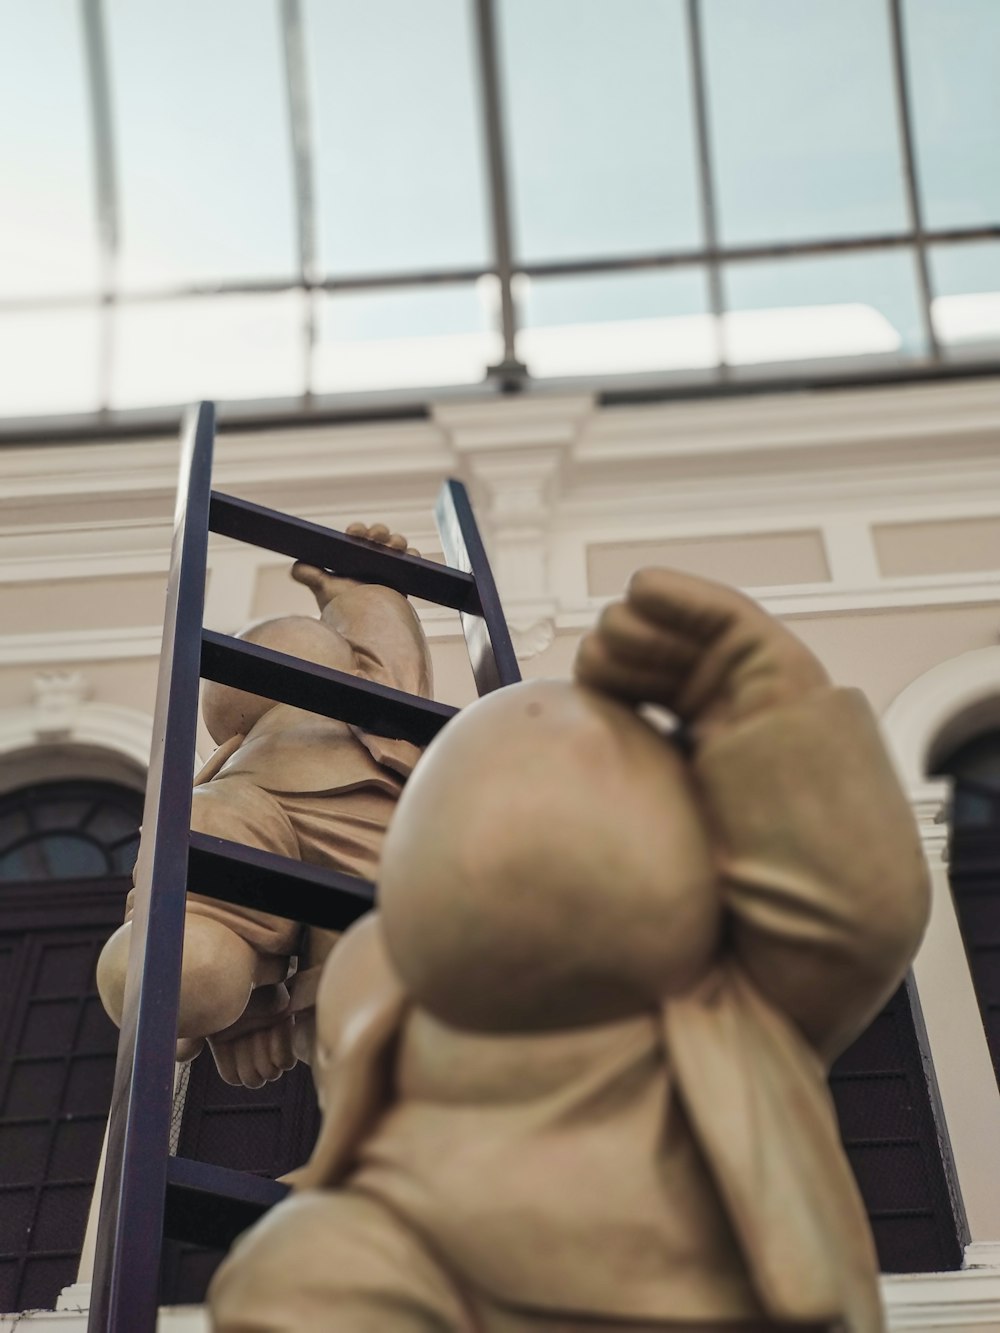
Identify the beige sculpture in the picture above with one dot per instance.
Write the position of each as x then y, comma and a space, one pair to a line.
573, 1071
301, 785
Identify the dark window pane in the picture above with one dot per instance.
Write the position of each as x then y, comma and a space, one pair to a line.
62, 827
23, 1154
60, 814
397, 134
875, 1108
97, 1032
77, 1149
16, 865
62, 1217
34, 1089
44, 1278
49, 1027
123, 857
8, 1283
804, 132
954, 62
16, 1210
13, 827
109, 822
65, 969
599, 109
90, 1082
903, 1242
231, 1138
879, 1088
73, 858
891, 1178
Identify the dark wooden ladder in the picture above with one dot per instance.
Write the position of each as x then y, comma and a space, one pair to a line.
147, 1193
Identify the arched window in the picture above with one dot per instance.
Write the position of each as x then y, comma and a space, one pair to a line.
975, 769
68, 831
66, 853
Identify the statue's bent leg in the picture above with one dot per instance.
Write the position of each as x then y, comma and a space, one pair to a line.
227, 949
334, 1259
342, 831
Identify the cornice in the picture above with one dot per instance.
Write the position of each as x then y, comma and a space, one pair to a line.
858, 439
897, 417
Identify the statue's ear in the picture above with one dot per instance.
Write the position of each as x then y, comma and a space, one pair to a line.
360, 1008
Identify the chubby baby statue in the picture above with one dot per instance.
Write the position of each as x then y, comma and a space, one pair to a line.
573, 1070
304, 786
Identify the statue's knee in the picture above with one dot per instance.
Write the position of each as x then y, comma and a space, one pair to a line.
217, 976
112, 967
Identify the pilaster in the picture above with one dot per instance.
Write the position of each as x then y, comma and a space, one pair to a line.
967, 1091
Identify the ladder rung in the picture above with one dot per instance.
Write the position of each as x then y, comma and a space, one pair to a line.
349, 556
250, 877
290, 680
211, 1205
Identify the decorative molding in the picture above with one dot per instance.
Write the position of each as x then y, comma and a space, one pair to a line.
930, 803
75, 1297
531, 637
529, 420
850, 552
884, 423
982, 1254
942, 1301
172, 1319
58, 696
30, 733
81, 645
943, 707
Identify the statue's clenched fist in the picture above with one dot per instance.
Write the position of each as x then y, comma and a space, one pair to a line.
706, 652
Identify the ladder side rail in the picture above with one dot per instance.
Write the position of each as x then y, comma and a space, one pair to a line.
126, 1277
350, 557
491, 652
380, 709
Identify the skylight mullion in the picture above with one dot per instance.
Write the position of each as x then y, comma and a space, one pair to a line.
900, 80
489, 82
706, 180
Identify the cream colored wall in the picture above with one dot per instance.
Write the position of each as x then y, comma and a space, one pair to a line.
940, 547
866, 519
881, 652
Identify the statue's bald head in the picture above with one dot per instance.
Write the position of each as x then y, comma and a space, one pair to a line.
547, 865
229, 711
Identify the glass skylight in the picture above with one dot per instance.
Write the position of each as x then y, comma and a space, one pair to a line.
295, 200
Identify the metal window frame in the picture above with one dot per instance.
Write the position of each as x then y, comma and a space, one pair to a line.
510, 373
